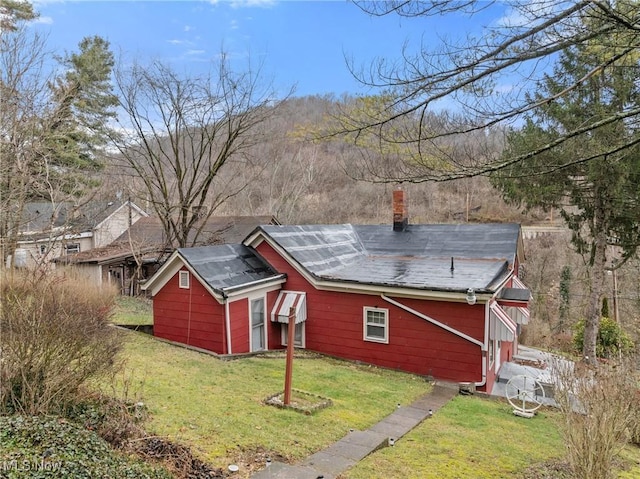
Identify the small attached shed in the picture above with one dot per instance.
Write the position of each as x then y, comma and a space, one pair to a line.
215, 298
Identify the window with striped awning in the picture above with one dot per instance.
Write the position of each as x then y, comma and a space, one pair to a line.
286, 300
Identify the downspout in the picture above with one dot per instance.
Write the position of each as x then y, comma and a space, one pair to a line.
485, 347
482, 344
227, 323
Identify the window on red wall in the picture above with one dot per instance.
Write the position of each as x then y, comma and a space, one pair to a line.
183, 280
298, 335
376, 324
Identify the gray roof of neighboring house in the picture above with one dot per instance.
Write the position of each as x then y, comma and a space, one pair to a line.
217, 230
147, 236
39, 217
224, 267
419, 257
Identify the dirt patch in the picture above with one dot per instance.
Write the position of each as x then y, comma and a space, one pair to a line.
177, 458
254, 459
555, 469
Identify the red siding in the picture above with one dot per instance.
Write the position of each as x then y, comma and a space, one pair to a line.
506, 352
239, 319
335, 326
189, 316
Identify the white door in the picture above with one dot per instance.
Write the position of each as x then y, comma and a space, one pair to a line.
258, 327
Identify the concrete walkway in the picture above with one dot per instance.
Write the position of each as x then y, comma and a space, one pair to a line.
355, 446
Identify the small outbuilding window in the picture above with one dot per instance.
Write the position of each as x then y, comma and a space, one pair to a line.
376, 325
184, 279
72, 248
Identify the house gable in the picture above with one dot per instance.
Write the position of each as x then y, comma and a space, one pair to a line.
116, 223
225, 271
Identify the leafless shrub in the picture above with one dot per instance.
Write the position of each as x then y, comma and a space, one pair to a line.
55, 335
598, 411
635, 426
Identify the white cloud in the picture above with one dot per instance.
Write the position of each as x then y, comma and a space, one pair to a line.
175, 41
195, 52
234, 25
187, 28
44, 20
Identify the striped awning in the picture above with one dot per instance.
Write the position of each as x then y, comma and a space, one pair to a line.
501, 326
286, 300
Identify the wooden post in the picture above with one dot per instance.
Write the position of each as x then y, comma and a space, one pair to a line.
291, 335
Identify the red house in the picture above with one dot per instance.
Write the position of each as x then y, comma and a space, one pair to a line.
437, 300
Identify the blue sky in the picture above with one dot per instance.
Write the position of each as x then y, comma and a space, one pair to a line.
299, 43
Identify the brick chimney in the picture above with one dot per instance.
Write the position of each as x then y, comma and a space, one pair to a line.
400, 210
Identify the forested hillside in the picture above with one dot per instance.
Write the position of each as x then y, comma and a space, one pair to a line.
302, 181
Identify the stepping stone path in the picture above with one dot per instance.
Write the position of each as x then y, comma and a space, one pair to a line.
355, 446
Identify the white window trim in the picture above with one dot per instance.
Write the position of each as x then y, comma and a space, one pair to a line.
183, 279
265, 336
374, 339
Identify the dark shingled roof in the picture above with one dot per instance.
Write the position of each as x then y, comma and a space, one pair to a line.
419, 257
224, 267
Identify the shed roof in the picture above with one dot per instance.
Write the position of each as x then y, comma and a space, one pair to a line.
225, 267
420, 257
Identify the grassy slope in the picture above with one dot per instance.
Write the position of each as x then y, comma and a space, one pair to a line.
216, 406
479, 438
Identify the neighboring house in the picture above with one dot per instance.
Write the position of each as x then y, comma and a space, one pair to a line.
48, 230
138, 253
437, 300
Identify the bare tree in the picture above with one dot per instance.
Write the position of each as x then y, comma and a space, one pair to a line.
470, 77
22, 81
180, 131
51, 124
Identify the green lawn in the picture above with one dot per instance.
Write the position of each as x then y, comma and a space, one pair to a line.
133, 311
468, 437
216, 406
481, 439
